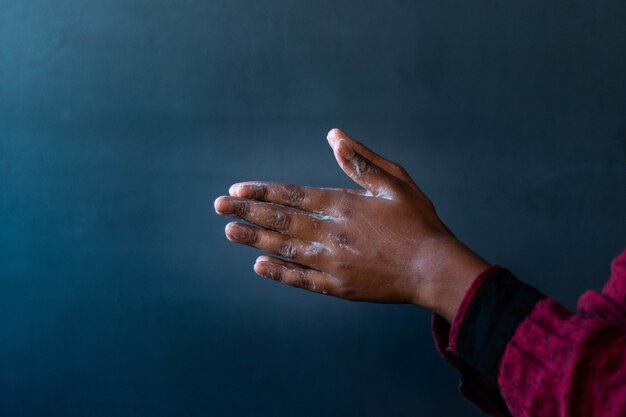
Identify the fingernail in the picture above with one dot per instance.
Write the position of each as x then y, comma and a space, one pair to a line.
223, 206
234, 190
237, 232
261, 268
242, 190
267, 271
333, 134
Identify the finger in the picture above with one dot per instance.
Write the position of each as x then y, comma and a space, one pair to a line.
291, 248
294, 275
272, 216
389, 166
394, 169
304, 198
364, 172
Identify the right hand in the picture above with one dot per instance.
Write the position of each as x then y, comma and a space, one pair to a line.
382, 244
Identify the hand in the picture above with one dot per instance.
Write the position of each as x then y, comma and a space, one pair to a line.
382, 244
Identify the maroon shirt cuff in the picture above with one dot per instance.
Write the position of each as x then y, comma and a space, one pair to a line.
465, 303
474, 386
489, 322
445, 335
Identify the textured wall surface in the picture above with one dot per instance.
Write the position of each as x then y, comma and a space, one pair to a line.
122, 120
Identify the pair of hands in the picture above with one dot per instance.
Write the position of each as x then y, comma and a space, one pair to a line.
383, 243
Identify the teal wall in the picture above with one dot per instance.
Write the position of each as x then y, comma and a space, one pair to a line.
122, 120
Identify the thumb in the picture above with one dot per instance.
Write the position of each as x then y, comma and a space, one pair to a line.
363, 171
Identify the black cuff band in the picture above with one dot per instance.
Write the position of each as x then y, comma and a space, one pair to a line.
491, 319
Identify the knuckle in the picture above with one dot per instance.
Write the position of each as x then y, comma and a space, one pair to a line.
313, 250
275, 273
260, 192
363, 166
293, 195
303, 281
280, 220
341, 239
242, 208
287, 249
360, 165
252, 236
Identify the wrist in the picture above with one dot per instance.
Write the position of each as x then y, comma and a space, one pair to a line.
452, 267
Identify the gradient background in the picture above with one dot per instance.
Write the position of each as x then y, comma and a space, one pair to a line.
122, 120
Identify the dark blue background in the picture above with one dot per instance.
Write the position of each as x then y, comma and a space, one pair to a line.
122, 120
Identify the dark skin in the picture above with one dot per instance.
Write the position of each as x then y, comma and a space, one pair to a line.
382, 243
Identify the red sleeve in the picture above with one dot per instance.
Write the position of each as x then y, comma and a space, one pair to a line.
611, 304
564, 364
532, 355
